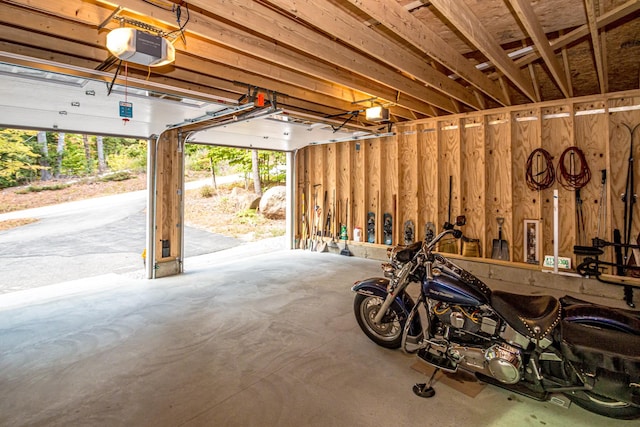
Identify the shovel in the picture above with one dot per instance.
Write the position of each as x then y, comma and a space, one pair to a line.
322, 244
500, 247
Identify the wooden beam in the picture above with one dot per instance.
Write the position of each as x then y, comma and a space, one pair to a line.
603, 20
354, 32
567, 68
603, 47
463, 18
295, 35
257, 49
529, 20
279, 76
279, 56
32, 25
595, 42
399, 20
534, 79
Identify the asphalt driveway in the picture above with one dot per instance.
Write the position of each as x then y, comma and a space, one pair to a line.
84, 239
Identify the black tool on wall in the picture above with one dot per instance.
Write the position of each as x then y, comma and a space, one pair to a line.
629, 199
500, 248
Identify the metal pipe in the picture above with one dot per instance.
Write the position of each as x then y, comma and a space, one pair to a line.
152, 156
181, 151
556, 226
290, 181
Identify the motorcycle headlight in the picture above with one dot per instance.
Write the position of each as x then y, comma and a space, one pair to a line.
388, 270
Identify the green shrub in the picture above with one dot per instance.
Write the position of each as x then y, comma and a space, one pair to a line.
117, 176
39, 188
207, 191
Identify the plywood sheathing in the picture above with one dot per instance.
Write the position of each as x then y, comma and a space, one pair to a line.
486, 155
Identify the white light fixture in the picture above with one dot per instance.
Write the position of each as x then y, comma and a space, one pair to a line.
377, 114
139, 47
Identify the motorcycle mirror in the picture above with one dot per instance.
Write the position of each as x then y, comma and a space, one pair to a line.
461, 220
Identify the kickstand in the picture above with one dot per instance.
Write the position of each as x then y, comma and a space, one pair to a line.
425, 389
628, 296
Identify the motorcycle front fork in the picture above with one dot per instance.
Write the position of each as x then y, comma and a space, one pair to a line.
419, 316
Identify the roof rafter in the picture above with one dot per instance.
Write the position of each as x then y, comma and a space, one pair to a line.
530, 21
595, 41
463, 18
606, 18
293, 34
357, 34
404, 24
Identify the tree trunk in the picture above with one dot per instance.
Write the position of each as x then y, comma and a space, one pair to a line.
102, 166
213, 173
255, 168
59, 154
87, 153
45, 175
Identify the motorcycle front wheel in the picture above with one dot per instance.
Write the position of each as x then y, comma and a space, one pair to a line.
387, 333
605, 406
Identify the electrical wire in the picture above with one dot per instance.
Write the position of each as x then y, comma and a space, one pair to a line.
181, 27
545, 174
574, 178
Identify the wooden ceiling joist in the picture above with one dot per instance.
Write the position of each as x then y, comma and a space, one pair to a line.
360, 36
323, 58
463, 18
399, 20
529, 20
607, 18
595, 41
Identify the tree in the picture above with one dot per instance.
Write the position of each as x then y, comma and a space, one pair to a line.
44, 159
59, 153
18, 161
100, 148
255, 169
87, 153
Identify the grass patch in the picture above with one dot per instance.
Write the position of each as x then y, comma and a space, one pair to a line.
207, 191
116, 176
13, 223
40, 188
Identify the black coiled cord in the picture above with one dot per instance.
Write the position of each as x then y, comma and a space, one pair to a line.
575, 178
545, 174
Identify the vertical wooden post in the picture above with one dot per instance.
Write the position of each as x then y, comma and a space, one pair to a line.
168, 208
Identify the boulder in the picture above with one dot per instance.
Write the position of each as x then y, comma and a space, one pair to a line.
273, 203
244, 199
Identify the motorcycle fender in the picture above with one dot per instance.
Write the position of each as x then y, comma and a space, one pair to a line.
610, 356
377, 286
373, 286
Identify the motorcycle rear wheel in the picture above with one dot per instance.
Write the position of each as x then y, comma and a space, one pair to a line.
386, 334
605, 406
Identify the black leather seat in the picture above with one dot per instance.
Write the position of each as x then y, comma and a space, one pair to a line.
531, 315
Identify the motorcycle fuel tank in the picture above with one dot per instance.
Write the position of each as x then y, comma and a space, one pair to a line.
453, 291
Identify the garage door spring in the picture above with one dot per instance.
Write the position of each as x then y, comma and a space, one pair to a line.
544, 175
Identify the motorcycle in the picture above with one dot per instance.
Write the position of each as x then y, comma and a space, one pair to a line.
538, 346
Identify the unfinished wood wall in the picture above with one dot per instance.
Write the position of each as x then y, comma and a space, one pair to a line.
485, 155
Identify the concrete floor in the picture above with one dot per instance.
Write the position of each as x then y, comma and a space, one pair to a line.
239, 340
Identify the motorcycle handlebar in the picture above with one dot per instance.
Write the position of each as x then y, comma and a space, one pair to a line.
455, 232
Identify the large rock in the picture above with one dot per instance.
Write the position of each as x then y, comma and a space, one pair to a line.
244, 199
273, 203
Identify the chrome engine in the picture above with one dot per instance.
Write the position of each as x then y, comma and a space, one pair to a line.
473, 338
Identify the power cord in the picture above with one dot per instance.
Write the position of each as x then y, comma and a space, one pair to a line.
545, 174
